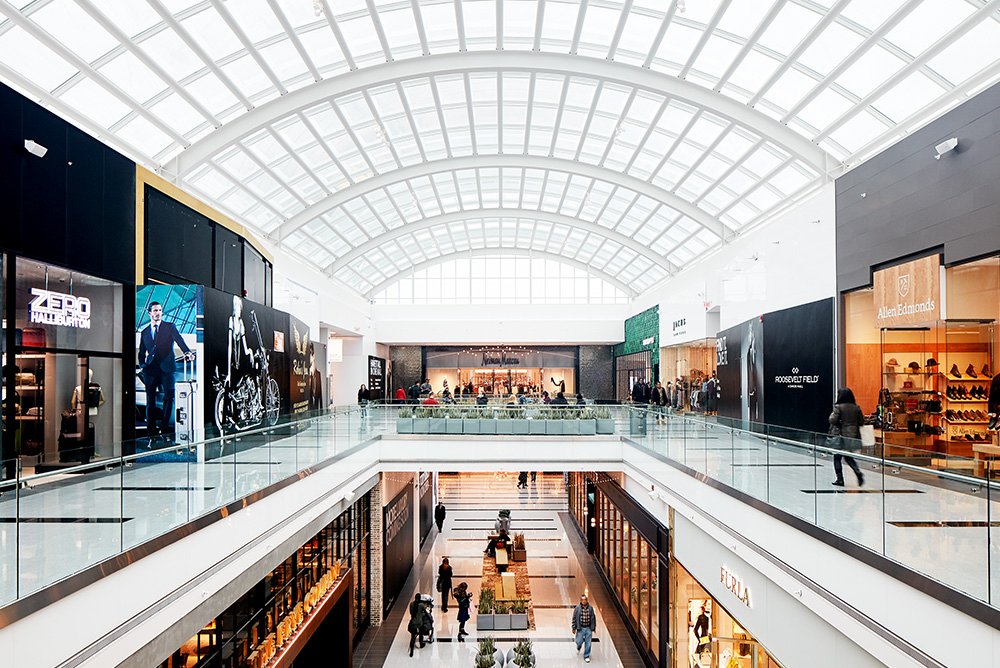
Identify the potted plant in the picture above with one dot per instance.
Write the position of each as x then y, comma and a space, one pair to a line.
605, 423
519, 616
521, 655
519, 423
421, 421
489, 656
438, 420
488, 422
536, 424
588, 423
520, 554
554, 423
571, 423
470, 425
404, 421
504, 422
485, 615
454, 421
501, 616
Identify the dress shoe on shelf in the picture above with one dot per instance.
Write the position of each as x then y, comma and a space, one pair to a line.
970, 371
950, 392
949, 415
985, 371
974, 392
993, 422
954, 371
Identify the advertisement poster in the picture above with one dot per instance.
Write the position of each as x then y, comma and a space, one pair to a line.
247, 379
397, 522
169, 371
752, 370
300, 381
376, 378
425, 498
729, 364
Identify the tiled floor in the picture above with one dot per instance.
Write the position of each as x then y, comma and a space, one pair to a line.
557, 566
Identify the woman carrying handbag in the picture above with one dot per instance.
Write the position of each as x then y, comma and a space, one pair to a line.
845, 434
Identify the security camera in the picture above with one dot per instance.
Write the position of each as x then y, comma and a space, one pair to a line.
945, 146
34, 148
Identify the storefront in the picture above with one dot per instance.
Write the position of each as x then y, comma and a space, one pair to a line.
631, 548
920, 355
503, 370
313, 608
687, 358
638, 356
62, 364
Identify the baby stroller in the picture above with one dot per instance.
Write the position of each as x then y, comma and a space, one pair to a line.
427, 627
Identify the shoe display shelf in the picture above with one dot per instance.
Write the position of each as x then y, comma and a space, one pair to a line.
965, 373
915, 397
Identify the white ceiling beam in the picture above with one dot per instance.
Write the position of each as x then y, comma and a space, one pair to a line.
706, 33
570, 167
506, 251
525, 61
338, 35
503, 213
249, 46
293, 37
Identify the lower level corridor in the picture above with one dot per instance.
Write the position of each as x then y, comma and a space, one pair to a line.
558, 567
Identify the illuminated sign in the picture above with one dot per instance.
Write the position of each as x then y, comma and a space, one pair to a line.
735, 584
61, 310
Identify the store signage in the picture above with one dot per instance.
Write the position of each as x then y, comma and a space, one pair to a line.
500, 359
721, 352
735, 584
396, 518
796, 379
648, 341
57, 308
909, 293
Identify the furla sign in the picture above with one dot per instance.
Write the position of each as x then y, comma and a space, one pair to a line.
735, 584
909, 293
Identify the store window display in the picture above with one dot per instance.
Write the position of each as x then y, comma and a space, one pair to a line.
688, 372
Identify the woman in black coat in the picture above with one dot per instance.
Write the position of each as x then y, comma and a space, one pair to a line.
846, 421
464, 600
445, 574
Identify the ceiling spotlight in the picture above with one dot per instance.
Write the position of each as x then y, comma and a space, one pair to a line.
681, 6
944, 147
318, 7
34, 148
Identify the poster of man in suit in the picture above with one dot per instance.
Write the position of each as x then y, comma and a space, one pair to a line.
168, 345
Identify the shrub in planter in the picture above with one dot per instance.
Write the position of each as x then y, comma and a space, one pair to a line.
485, 616
454, 421
571, 426
470, 426
522, 655
554, 424
421, 425
605, 423
520, 425
487, 426
501, 617
404, 421
520, 553
489, 656
588, 423
536, 426
438, 424
518, 617
504, 423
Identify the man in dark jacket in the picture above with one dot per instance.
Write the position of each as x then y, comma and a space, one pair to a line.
157, 365
584, 625
846, 421
439, 512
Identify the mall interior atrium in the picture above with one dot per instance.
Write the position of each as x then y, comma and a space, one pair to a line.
499, 333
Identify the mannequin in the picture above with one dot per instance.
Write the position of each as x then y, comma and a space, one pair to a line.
95, 396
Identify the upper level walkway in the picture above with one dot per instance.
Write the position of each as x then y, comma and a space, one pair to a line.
930, 529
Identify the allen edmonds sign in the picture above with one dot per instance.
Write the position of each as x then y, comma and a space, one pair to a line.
908, 294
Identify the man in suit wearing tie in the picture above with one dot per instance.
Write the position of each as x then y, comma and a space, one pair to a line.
157, 363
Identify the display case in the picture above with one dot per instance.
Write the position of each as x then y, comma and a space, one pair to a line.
29, 394
965, 373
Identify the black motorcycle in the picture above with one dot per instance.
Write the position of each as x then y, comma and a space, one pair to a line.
254, 401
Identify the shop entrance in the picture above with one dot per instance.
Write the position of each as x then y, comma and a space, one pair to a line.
629, 369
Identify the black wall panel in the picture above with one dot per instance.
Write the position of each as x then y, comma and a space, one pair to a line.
398, 527
913, 203
253, 273
179, 240
228, 261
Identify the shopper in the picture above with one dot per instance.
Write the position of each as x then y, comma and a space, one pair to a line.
545, 397
702, 631
580, 401
416, 623
464, 600
560, 400
481, 397
846, 421
439, 513
413, 392
362, 395
584, 625
497, 542
400, 395
430, 400
445, 574
522, 480
425, 387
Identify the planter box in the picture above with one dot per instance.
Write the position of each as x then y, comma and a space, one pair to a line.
438, 426
453, 426
404, 425
421, 425
588, 427
487, 426
520, 427
470, 426
536, 426
485, 622
519, 555
571, 427
501, 622
605, 426
504, 426
554, 427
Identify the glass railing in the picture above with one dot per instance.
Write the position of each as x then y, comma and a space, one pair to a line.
58, 523
934, 513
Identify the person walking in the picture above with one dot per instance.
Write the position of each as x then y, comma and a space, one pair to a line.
362, 395
846, 421
522, 480
464, 600
584, 625
416, 623
445, 574
439, 513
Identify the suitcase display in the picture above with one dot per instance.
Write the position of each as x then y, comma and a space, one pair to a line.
185, 397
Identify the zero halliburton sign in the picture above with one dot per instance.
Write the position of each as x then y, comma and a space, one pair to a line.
908, 294
57, 308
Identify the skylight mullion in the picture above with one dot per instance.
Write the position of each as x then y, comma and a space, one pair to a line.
350, 133
530, 108
379, 30
440, 114
559, 115
458, 191
682, 242
293, 37
536, 45
392, 203
56, 46
940, 45
628, 209
421, 30
460, 24
565, 191
354, 221
761, 182
270, 172
677, 142
326, 148
655, 46
520, 194
319, 245
338, 35
645, 221
704, 154
618, 126
647, 134
590, 119
792, 58
479, 189
732, 168
409, 119
224, 173
578, 30
622, 18
468, 110
195, 47
576, 255
751, 42
295, 156
379, 123
113, 29
248, 45
706, 32
437, 194
416, 200
607, 202
603, 268
499, 106
499, 19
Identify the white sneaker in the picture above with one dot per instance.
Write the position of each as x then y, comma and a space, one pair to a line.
587, 660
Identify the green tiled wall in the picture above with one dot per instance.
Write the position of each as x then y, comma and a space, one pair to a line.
639, 327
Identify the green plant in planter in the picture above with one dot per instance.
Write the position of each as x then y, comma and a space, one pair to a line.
485, 661
518, 541
501, 608
487, 647
406, 412
486, 601
519, 607
522, 653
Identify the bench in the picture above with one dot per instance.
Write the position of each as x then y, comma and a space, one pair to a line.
985, 453
501, 560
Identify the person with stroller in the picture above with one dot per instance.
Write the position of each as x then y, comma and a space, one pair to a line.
416, 623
